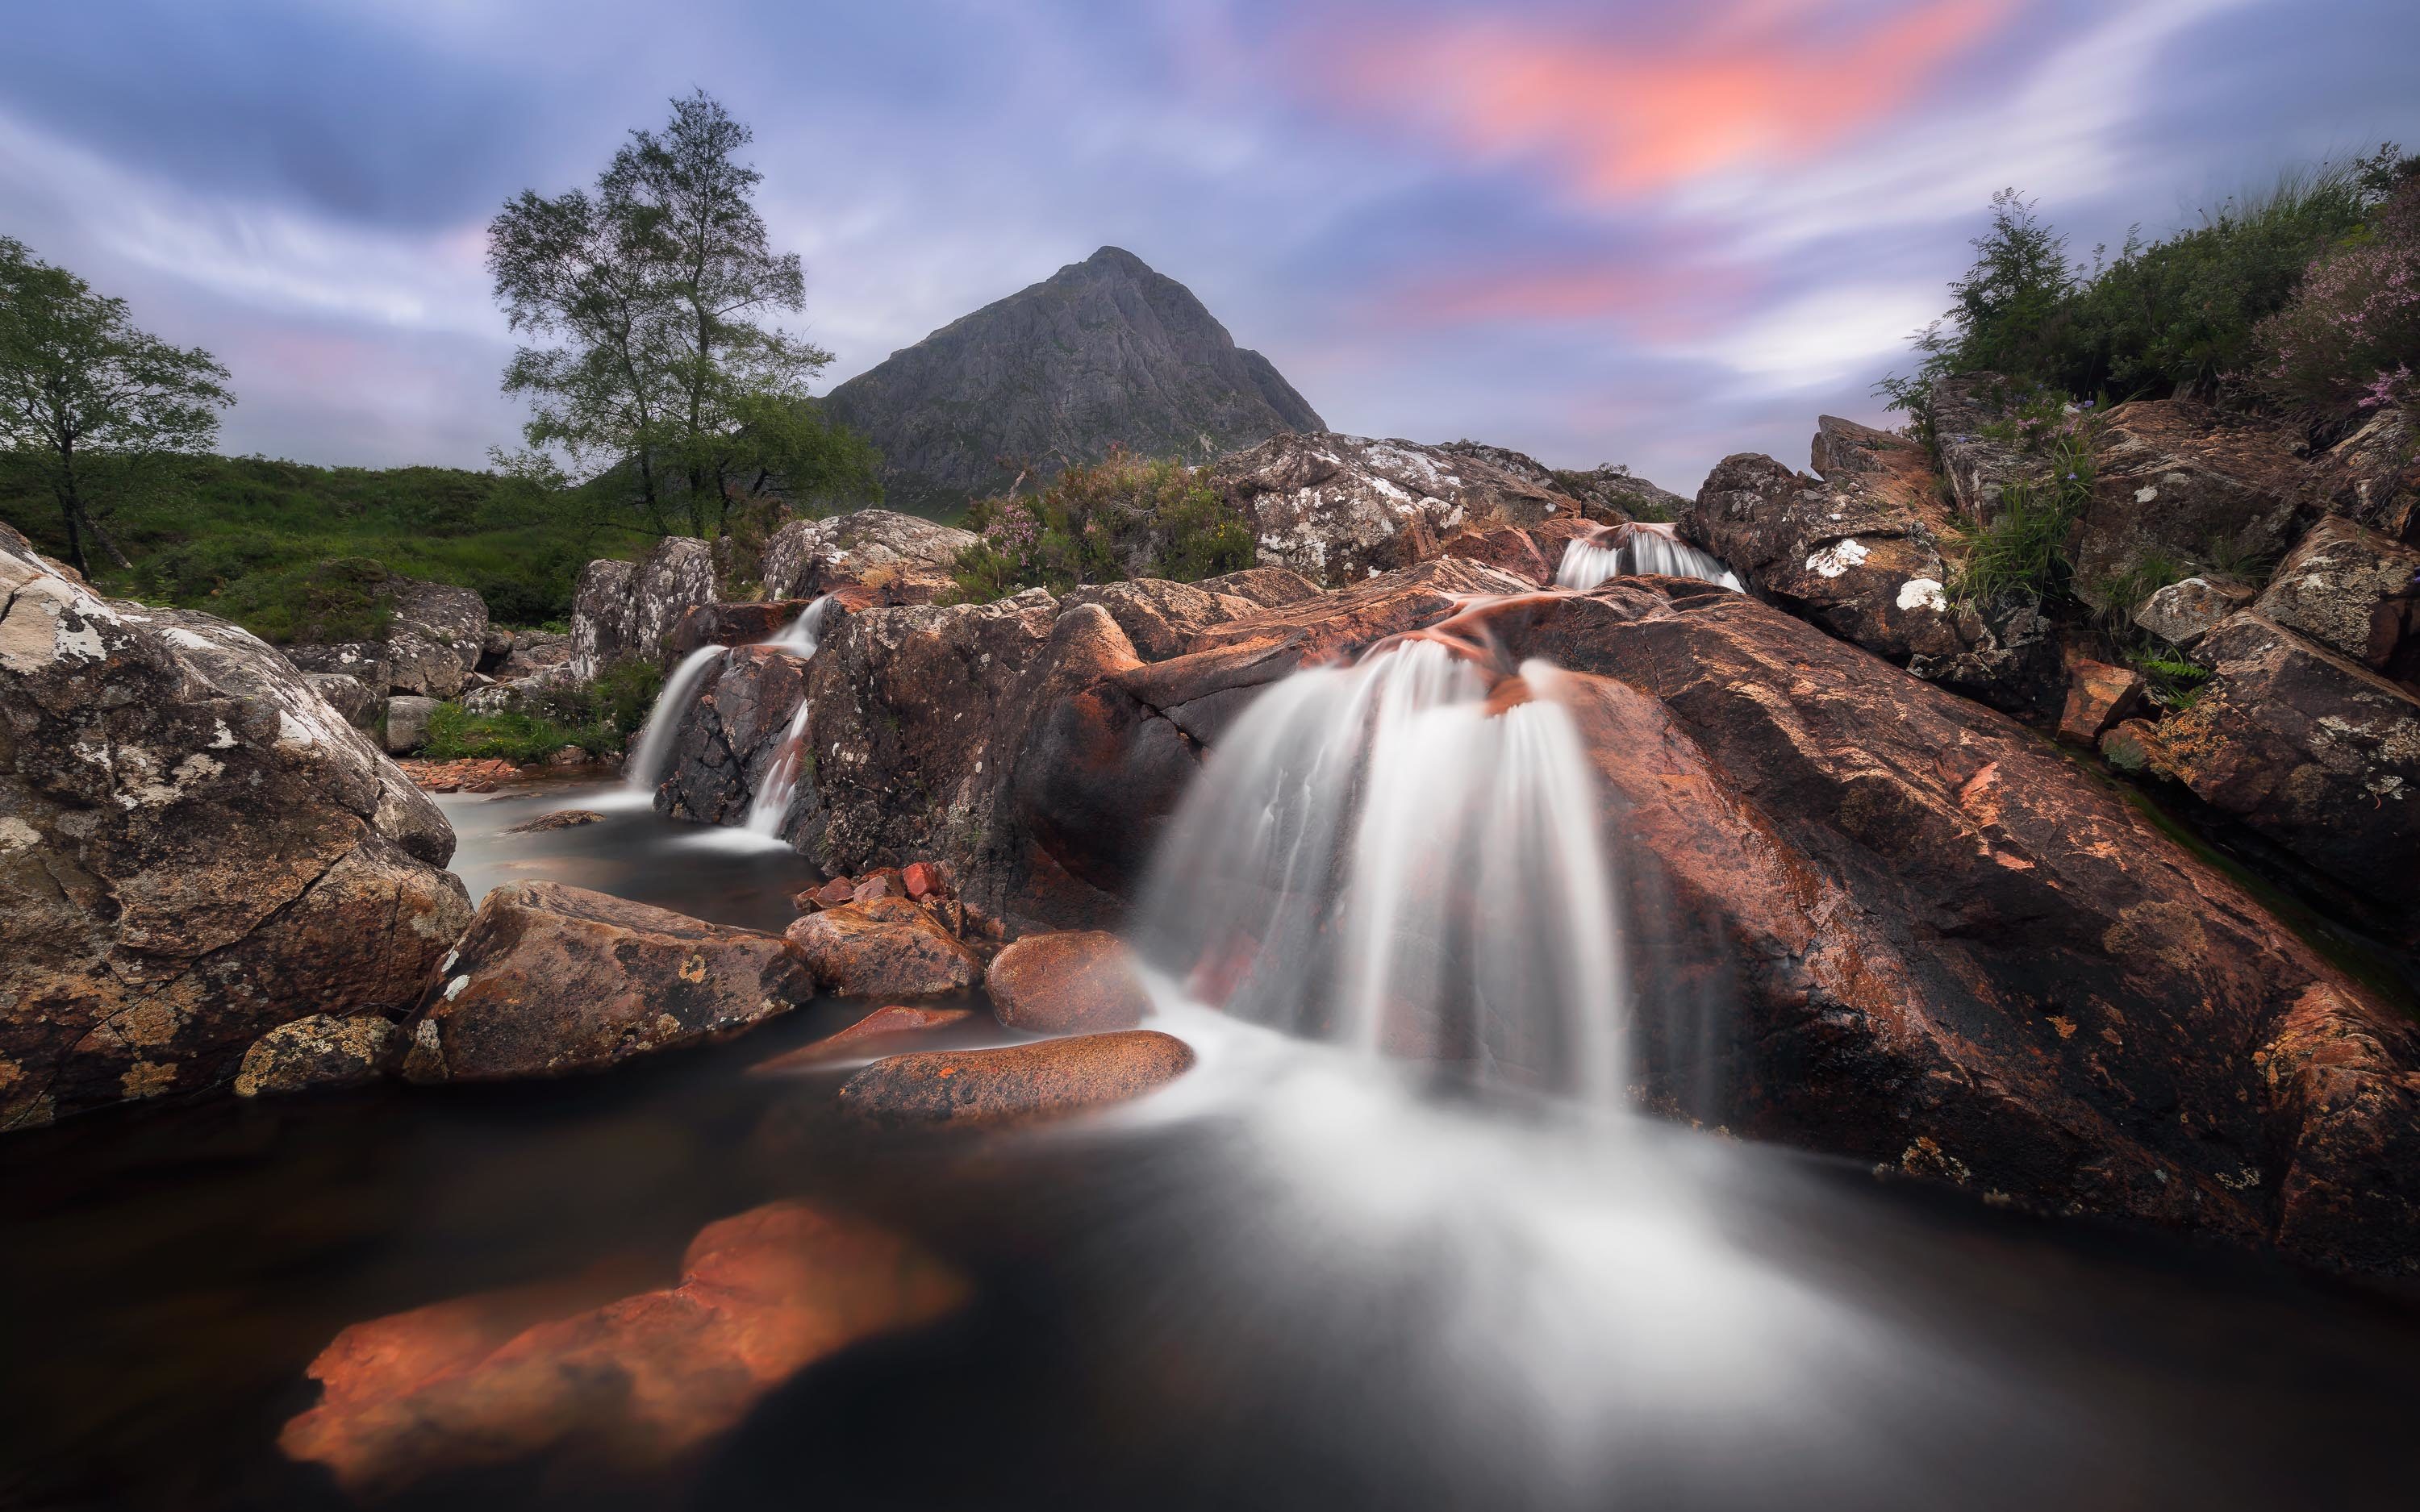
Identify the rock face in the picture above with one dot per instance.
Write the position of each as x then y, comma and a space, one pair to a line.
554, 978
882, 948
871, 556
543, 1374
731, 733
1341, 509
435, 638
1859, 553
1608, 494
626, 609
1065, 981
2372, 477
349, 697
2313, 750
1020, 1084
407, 723
320, 1051
2175, 480
1103, 352
1977, 465
2355, 592
194, 849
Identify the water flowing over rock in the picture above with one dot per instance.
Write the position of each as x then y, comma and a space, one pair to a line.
627, 610
875, 556
554, 978
725, 734
1340, 509
1618, 550
1020, 1084
194, 848
1105, 351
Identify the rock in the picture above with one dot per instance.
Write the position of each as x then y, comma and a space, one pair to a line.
1103, 352
2012, 659
879, 556
1020, 1084
319, 1050
922, 879
407, 723
194, 849
1976, 464
887, 882
1857, 552
1534, 555
729, 624
2372, 477
537, 652
2178, 481
1161, 618
882, 948
829, 894
1608, 494
2098, 696
568, 756
349, 697
1341, 509
624, 610
452, 619
554, 978
475, 774
2312, 751
495, 649
560, 819
879, 1033
2356, 592
418, 667
2183, 612
736, 728
1266, 587
1066, 982
638, 1384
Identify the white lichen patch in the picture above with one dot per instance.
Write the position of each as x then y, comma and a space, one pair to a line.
1923, 593
2145, 494
1837, 558
454, 989
222, 738
17, 835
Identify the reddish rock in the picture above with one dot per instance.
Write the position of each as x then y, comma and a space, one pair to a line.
829, 894
883, 948
884, 1031
554, 978
922, 879
1161, 618
1066, 982
633, 1385
885, 883
1019, 1084
2098, 696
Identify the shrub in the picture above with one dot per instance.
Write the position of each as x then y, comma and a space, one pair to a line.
2347, 340
1121, 518
2023, 551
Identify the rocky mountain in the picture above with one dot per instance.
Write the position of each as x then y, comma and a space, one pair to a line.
1102, 352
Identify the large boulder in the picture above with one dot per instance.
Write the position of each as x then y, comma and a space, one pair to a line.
879, 555
1341, 509
1857, 552
194, 848
2175, 480
626, 609
2355, 592
736, 726
454, 619
883, 948
349, 697
554, 978
2373, 475
2307, 748
1608, 493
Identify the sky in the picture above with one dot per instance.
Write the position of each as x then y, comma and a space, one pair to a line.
1653, 233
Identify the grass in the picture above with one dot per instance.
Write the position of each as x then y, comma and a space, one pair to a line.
597, 717
2023, 551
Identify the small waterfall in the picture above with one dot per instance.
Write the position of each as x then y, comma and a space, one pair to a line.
646, 767
1402, 856
1635, 548
779, 784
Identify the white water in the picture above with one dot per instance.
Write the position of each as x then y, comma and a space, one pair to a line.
779, 784
1638, 548
771, 799
646, 767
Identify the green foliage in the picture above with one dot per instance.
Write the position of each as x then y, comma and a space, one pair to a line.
87, 400
599, 717
1124, 517
2171, 684
2023, 551
2121, 593
2347, 342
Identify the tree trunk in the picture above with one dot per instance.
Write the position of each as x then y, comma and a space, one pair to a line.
75, 538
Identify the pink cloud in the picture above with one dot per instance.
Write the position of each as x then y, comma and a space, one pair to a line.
1751, 82
1666, 298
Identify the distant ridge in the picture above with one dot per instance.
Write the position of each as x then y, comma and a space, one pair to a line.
1102, 352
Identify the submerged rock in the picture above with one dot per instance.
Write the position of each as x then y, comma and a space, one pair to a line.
882, 948
882, 1032
1065, 981
1019, 1084
560, 819
322, 1051
542, 1373
194, 848
554, 978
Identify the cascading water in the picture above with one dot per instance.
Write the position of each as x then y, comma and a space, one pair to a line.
646, 765
1638, 549
778, 782
1399, 857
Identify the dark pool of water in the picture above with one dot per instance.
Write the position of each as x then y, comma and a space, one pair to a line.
1286, 1283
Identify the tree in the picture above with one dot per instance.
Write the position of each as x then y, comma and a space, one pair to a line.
665, 386
80, 386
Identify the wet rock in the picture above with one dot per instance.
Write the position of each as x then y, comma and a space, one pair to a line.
2183, 612
1065, 981
626, 609
473, 775
407, 723
885, 1031
560, 819
888, 557
730, 625
1019, 1084
2098, 696
1533, 555
194, 849
318, 1052
1341, 509
732, 733
554, 978
2356, 592
882, 948
349, 697
633, 1385
2176, 480
2372, 477
2316, 752
831, 894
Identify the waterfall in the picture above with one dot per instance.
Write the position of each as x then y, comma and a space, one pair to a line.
1402, 856
1635, 548
646, 767
778, 782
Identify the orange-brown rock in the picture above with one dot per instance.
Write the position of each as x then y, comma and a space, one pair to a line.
885, 1031
882, 948
2098, 696
633, 1385
554, 979
1019, 1084
560, 819
1065, 981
